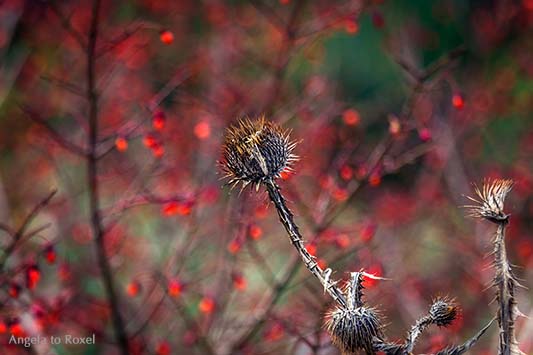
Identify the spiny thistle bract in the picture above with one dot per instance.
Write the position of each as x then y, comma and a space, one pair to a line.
255, 151
354, 329
490, 199
443, 312
354, 326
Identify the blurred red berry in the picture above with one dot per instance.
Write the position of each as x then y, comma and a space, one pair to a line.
14, 290
166, 37
424, 134
33, 275
158, 121
351, 26
374, 179
239, 282
133, 288
50, 254
206, 305
274, 332
121, 144
163, 348
255, 232
234, 246
170, 209
458, 101
158, 150
322, 263
175, 287
346, 172
351, 117
340, 194
3, 327
149, 140
202, 130
311, 248
16, 329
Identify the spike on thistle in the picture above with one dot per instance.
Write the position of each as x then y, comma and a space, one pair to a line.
490, 200
255, 151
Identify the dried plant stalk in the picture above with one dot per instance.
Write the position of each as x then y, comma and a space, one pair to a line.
286, 218
258, 151
489, 205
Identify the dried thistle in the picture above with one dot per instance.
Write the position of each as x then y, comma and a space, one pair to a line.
490, 199
353, 327
490, 203
443, 312
255, 151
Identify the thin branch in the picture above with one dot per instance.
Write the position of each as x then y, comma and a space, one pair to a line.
92, 181
19, 234
55, 135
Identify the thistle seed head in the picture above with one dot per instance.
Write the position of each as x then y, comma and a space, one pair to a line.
490, 199
352, 330
255, 151
443, 312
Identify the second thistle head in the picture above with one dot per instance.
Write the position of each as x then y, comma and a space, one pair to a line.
255, 151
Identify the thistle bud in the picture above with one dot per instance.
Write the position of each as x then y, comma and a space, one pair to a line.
256, 151
443, 312
352, 330
490, 199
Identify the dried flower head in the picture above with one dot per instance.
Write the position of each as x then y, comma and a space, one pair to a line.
443, 312
255, 151
490, 199
352, 330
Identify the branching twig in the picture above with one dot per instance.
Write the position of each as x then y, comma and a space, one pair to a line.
19, 234
92, 181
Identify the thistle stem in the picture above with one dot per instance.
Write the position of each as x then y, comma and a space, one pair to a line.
287, 219
505, 283
415, 332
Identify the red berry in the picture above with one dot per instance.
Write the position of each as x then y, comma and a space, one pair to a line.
202, 130
207, 305
458, 101
351, 117
166, 37
50, 254
255, 232
121, 144
175, 287
158, 121
33, 275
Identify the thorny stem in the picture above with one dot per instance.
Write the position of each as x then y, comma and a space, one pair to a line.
415, 332
505, 282
92, 181
286, 218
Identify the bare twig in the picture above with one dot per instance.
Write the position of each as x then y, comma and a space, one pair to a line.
19, 234
54, 134
92, 181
